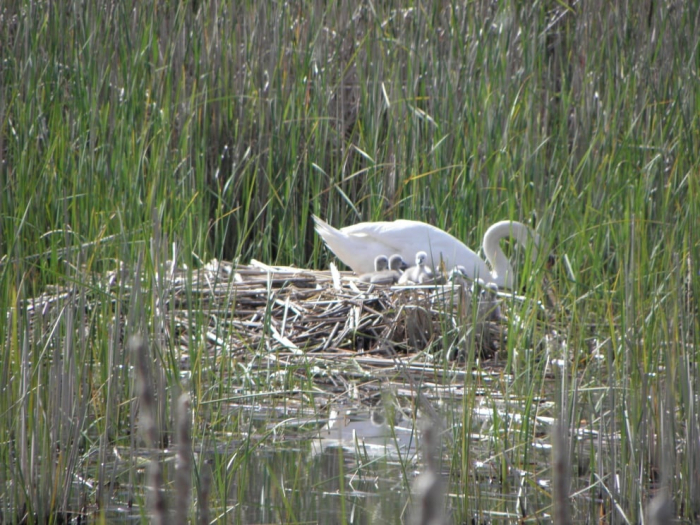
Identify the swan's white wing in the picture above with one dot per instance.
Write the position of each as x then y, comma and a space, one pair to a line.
359, 244
406, 238
386, 237
356, 249
441, 247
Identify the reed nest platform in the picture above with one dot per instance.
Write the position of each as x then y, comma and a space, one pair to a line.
309, 311
243, 310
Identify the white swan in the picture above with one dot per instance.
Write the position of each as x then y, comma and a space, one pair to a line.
358, 244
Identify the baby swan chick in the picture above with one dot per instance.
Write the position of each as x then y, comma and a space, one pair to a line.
386, 276
381, 263
393, 274
489, 305
418, 274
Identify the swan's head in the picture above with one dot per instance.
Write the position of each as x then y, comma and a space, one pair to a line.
421, 257
397, 263
503, 274
529, 238
381, 263
531, 241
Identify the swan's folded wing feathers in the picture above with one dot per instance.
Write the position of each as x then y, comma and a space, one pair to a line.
357, 245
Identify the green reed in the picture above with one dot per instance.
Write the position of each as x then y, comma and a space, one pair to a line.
135, 132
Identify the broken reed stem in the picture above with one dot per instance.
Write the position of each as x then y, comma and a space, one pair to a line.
183, 474
203, 498
560, 476
138, 348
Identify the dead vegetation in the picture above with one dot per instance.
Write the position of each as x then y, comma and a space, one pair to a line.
307, 311
283, 309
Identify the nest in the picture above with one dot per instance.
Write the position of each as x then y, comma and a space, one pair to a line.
256, 308
306, 311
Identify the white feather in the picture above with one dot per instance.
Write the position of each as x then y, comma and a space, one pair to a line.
359, 244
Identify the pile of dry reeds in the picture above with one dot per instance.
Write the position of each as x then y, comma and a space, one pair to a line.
302, 311
259, 307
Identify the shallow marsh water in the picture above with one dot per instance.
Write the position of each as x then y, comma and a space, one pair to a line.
348, 462
333, 434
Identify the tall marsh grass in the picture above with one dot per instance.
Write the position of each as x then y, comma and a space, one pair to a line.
136, 132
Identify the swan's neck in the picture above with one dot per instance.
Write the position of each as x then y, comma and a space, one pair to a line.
502, 273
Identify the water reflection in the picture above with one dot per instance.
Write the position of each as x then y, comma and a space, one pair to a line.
373, 432
357, 464
351, 471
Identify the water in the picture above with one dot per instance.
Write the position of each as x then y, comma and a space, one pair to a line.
354, 463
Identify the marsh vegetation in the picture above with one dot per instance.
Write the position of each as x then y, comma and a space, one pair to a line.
150, 150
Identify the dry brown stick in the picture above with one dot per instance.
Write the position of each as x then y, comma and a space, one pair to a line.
139, 349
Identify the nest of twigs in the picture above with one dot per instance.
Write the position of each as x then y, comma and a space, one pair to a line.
262, 308
309, 311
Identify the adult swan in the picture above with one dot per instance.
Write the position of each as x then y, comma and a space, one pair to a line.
359, 244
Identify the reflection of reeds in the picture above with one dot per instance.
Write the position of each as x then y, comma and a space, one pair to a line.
561, 474
183, 474
237, 120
